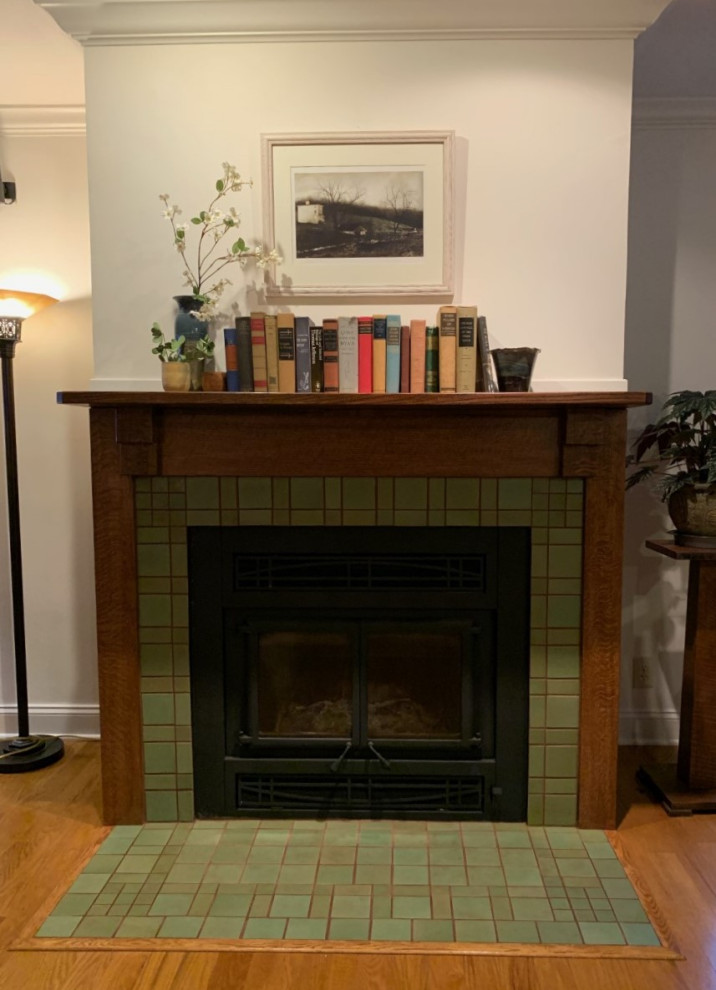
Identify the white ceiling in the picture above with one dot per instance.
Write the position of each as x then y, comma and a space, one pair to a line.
40, 64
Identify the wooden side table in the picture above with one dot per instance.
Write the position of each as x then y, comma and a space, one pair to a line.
690, 784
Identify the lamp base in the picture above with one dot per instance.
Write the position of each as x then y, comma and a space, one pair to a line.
26, 753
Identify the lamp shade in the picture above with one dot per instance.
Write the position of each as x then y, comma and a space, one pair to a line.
22, 304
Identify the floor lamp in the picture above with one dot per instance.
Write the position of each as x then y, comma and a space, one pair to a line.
24, 752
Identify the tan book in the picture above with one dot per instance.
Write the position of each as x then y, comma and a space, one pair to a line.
447, 348
271, 351
380, 328
286, 352
417, 355
466, 348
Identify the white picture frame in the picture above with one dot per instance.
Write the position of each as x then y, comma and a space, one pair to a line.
359, 214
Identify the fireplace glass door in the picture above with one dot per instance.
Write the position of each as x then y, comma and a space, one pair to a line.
304, 683
414, 683
400, 683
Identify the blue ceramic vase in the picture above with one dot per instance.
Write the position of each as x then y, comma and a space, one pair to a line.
185, 324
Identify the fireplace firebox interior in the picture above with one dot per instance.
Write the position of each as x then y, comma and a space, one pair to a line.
360, 672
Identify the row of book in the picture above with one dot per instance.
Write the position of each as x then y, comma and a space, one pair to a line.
282, 352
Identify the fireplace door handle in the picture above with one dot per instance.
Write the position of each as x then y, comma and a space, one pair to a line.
379, 756
335, 766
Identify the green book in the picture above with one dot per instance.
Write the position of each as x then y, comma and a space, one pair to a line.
432, 362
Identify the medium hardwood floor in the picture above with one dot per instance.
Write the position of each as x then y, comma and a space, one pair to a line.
50, 824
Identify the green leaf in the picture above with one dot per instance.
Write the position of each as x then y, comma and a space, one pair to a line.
238, 246
195, 220
219, 185
180, 234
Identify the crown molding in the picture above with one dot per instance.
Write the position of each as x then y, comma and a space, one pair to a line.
674, 113
42, 121
154, 22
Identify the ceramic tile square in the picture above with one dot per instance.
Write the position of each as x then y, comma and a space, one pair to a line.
307, 493
255, 493
359, 494
411, 493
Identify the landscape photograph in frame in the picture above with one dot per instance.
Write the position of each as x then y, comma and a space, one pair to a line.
363, 214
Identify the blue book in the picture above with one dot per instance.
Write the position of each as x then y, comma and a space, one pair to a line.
231, 340
303, 353
392, 354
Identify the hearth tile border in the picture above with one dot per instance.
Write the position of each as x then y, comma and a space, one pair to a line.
199, 881
552, 507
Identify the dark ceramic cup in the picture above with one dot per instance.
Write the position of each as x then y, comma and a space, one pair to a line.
513, 367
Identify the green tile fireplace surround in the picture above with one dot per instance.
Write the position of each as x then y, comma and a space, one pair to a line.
553, 508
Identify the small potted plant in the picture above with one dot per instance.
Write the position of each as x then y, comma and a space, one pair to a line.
199, 355
175, 370
678, 453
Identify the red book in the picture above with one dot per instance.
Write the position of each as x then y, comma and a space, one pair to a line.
365, 353
405, 359
258, 351
330, 355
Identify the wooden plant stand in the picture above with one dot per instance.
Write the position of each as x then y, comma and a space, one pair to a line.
689, 785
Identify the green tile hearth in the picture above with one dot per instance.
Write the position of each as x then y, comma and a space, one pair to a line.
383, 881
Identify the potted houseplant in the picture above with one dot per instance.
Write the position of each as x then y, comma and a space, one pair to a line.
678, 453
199, 355
175, 369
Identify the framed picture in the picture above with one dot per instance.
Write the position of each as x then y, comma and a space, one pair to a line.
363, 214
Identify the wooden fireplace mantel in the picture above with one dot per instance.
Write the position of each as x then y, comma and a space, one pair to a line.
518, 435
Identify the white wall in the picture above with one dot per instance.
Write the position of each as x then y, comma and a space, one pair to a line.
44, 246
670, 345
542, 176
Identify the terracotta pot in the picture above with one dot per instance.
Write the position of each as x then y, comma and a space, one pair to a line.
693, 511
176, 376
214, 381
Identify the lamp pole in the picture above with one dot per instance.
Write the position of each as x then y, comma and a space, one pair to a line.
24, 752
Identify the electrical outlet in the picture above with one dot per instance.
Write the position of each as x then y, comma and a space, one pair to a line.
641, 673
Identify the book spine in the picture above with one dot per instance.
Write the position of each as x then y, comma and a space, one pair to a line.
483, 346
466, 349
405, 359
316, 345
379, 352
331, 369
348, 354
258, 352
417, 355
392, 354
447, 323
303, 354
232, 359
432, 359
271, 352
286, 353
365, 353
246, 370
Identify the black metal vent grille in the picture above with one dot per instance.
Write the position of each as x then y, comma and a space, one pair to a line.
394, 572
310, 793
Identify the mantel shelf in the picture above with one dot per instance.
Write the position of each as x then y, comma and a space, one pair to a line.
523, 401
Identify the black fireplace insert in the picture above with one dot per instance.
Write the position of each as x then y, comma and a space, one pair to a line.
360, 671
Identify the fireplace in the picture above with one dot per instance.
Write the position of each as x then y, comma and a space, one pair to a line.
360, 672
158, 446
